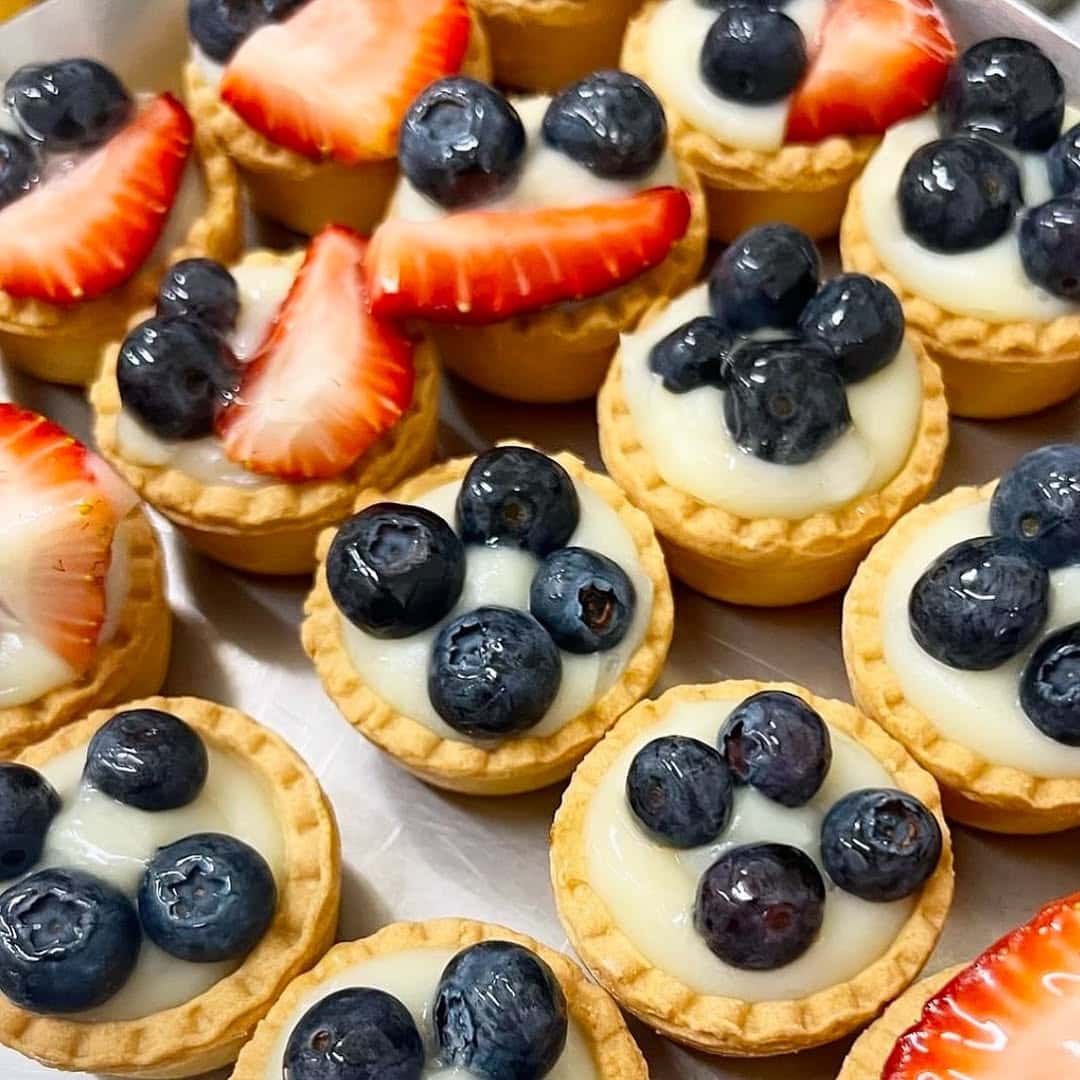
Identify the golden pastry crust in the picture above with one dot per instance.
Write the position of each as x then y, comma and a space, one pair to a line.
720, 1025
516, 765
208, 1031
132, 663
976, 791
614, 1052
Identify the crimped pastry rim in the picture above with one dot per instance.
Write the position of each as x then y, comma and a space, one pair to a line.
546, 14
421, 749
614, 1051
218, 1020
727, 1025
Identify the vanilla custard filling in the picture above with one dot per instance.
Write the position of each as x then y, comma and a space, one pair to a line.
688, 439
977, 709
676, 35
413, 977
397, 670
650, 889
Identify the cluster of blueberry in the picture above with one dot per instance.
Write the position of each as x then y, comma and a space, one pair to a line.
219, 28
760, 906
205, 898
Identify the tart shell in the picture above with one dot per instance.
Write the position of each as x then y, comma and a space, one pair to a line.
719, 1025
519, 764
208, 1031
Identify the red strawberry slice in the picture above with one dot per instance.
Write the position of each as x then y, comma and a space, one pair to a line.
1014, 1013
878, 62
328, 381
483, 266
336, 79
87, 231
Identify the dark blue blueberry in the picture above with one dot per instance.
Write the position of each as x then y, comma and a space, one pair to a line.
859, 321
583, 599
1050, 688
959, 194
879, 844
517, 496
760, 906
979, 603
1063, 163
765, 279
610, 122
462, 142
68, 942
753, 54
281, 9
174, 376
1038, 504
694, 355
207, 898
494, 673
777, 744
500, 1013
785, 401
680, 791
201, 289
394, 570
355, 1034
1050, 246
1007, 89
28, 804
148, 759
69, 104
219, 26
18, 168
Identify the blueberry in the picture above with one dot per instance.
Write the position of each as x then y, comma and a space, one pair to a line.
1007, 89
394, 570
148, 759
28, 804
1063, 163
517, 496
753, 54
500, 1013
959, 194
494, 672
68, 941
207, 898
1050, 246
859, 321
777, 744
680, 791
610, 122
201, 289
462, 143
355, 1034
760, 906
18, 168
1038, 504
979, 603
765, 279
879, 844
1050, 687
219, 26
583, 599
281, 9
69, 104
696, 354
175, 374
785, 401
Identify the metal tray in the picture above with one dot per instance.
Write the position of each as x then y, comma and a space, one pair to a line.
412, 852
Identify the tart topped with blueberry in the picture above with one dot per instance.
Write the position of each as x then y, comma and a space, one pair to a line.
488, 621
166, 870
749, 869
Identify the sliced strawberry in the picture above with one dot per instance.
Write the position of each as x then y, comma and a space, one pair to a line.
87, 231
329, 380
483, 266
878, 62
1014, 1013
336, 79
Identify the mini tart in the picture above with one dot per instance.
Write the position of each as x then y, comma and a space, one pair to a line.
720, 1025
614, 1052
301, 194
519, 764
208, 1031
991, 370
270, 529
64, 343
